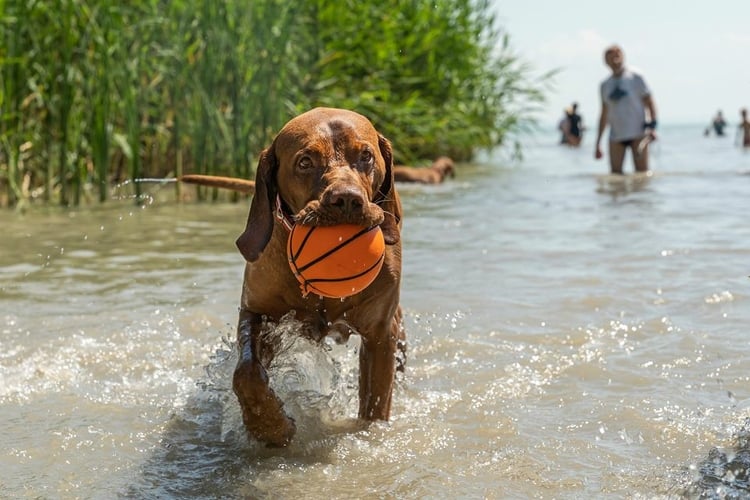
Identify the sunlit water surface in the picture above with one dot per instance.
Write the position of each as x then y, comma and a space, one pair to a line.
570, 337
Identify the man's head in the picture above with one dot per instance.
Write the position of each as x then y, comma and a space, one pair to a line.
615, 59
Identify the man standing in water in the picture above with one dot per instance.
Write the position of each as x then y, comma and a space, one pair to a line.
625, 99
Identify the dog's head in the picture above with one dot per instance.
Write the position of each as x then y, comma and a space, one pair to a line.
325, 167
444, 165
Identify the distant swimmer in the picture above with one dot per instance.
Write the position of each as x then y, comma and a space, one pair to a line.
744, 129
571, 126
717, 124
629, 110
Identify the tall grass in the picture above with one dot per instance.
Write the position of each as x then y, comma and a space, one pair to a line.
93, 92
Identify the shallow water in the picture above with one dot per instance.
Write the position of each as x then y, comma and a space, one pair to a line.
570, 336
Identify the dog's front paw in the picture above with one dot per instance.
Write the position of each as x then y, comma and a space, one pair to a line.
262, 411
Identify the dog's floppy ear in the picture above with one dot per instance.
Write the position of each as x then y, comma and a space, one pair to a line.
387, 197
260, 220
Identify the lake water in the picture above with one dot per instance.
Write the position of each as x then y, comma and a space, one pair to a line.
569, 338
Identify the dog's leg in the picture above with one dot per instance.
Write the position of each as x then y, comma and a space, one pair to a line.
401, 354
262, 411
401, 344
377, 371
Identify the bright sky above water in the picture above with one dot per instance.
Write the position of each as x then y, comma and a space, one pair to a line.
695, 56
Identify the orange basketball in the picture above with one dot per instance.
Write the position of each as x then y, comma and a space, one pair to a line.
335, 261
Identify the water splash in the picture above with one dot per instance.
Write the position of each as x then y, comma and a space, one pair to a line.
318, 382
724, 474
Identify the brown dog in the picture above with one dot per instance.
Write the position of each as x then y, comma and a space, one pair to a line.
434, 174
325, 167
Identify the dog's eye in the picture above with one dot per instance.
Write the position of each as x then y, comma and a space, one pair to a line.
366, 156
305, 163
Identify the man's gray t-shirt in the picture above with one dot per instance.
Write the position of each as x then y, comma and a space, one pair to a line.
626, 113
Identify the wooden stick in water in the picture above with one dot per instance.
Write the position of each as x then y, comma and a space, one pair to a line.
233, 183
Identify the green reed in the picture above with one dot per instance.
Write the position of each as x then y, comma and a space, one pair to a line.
95, 92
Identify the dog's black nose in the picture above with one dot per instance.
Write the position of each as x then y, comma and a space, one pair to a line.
347, 199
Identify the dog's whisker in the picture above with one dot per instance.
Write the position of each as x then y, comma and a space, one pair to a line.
308, 219
384, 200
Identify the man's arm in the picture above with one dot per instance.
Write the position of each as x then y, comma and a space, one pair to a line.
602, 125
648, 102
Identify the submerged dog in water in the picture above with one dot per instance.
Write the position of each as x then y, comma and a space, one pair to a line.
436, 173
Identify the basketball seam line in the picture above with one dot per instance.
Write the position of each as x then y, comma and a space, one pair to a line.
301, 246
345, 278
329, 252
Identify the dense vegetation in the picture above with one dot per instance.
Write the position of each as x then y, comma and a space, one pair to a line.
93, 92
